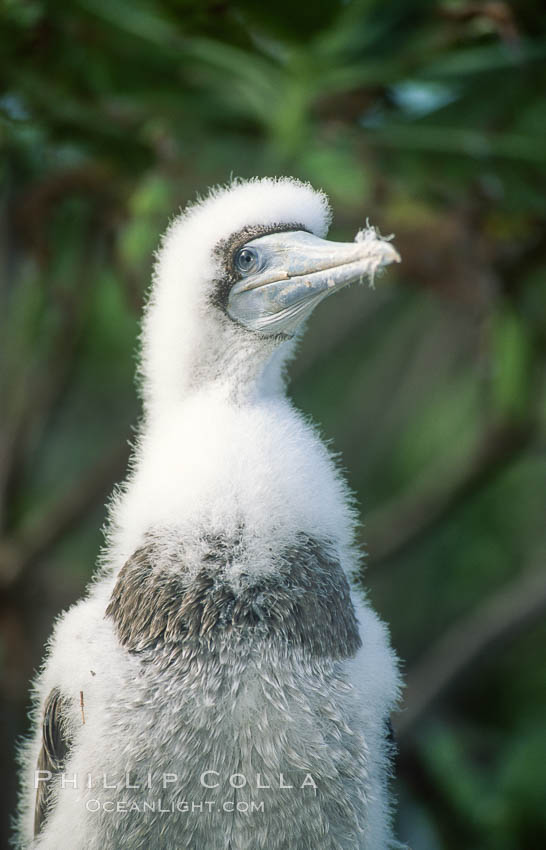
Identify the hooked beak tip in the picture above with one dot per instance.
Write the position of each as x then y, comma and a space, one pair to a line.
392, 254
386, 251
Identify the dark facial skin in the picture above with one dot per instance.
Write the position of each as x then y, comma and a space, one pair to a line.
227, 250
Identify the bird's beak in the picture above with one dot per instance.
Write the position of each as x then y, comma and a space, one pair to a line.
295, 270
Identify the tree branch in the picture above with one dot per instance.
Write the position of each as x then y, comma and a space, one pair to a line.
396, 528
20, 552
514, 608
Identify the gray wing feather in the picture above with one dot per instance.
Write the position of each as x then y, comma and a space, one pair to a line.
53, 753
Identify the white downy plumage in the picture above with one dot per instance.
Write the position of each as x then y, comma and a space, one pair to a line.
264, 676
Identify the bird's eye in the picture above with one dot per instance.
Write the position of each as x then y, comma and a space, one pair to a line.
247, 260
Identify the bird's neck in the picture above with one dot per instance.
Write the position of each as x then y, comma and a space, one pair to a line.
216, 465
224, 359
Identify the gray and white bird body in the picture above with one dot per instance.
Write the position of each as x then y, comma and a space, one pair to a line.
221, 687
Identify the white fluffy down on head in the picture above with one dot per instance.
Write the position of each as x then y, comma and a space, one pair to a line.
178, 325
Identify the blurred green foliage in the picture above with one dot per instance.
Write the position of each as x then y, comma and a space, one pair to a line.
429, 117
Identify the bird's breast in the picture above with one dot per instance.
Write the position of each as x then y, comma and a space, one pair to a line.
302, 604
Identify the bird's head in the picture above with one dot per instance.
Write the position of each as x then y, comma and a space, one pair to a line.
237, 274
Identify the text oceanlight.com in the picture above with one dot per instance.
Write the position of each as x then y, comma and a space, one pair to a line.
182, 806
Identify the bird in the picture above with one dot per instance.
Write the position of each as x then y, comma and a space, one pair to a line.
223, 684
